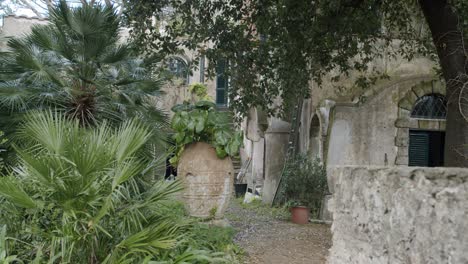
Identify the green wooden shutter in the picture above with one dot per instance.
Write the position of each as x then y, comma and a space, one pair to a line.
221, 83
418, 151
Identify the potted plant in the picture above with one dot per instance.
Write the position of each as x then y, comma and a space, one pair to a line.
303, 186
205, 141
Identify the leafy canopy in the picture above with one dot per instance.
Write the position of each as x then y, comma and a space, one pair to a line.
276, 48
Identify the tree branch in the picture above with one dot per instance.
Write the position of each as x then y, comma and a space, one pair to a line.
50, 6
32, 8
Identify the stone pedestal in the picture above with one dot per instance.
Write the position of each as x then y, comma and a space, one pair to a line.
208, 180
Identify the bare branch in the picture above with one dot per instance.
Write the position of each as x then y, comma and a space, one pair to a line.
50, 6
32, 8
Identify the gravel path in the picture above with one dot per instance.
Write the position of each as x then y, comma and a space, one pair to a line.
269, 238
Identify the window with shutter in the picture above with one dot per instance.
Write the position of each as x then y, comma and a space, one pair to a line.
426, 148
221, 83
418, 149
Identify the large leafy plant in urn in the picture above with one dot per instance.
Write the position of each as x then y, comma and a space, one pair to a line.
205, 142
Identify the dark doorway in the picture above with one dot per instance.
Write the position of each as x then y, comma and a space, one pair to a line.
426, 148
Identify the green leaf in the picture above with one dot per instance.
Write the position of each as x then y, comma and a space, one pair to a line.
182, 107
221, 152
222, 137
174, 160
191, 124
200, 124
11, 189
205, 105
179, 137
179, 121
232, 148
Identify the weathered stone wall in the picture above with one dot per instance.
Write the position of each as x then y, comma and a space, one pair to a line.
399, 215
368, 133
17, 26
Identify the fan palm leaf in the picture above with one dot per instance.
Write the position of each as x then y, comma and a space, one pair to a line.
78, 65
88, 185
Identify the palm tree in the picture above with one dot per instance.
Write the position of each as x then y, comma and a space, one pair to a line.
78, 65
79, 195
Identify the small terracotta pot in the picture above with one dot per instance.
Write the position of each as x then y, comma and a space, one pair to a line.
300, 215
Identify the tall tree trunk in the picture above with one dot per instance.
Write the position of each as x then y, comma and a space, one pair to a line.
448, 39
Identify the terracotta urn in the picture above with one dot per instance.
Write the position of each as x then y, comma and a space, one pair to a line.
207, 180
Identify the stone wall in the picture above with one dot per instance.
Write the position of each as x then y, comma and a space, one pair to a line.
399, 215
17, 26
373, 132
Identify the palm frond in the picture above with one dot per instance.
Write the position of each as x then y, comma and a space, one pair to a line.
130, 137
77, 63
48, 129
9, 188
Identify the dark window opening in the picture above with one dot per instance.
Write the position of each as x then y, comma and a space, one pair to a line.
179, 69
426, 148
430, 106
221, 83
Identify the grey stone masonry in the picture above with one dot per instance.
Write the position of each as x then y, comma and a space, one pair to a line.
399, 215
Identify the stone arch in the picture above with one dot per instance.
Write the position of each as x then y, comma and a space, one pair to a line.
405, 122
315, 137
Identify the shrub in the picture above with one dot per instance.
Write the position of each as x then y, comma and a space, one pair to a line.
199, 92
80, 195
304, 183
202, 122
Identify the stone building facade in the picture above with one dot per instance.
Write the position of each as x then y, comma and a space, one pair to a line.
16, 26
372, 126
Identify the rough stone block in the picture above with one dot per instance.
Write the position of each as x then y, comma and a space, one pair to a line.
399, 215
404, 122
439, 88
402, 159
403, 113
406, 104
428, 124
420, 90
442, 125
402, 137
402, 151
